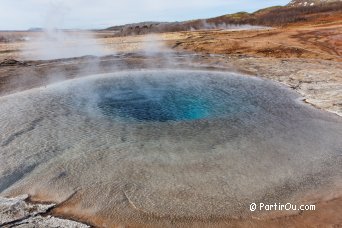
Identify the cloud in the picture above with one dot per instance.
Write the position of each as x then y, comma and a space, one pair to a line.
23, 14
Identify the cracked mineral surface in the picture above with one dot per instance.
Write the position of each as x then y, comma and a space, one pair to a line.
16, 212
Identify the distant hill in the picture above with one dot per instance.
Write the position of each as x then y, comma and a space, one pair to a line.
146, 24
35, 29
272, 16
310, 2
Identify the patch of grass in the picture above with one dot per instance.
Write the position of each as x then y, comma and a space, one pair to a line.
238, 15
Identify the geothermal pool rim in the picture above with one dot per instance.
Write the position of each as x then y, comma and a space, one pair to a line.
198, 169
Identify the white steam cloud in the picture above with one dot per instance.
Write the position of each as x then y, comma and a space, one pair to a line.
231, 27
54, 43
57, 44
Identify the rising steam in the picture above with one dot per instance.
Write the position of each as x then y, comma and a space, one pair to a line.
54, 43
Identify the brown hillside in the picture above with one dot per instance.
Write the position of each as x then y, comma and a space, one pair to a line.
274, 16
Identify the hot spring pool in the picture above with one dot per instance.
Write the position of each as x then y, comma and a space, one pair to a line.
156, 104
166, 145
163, 98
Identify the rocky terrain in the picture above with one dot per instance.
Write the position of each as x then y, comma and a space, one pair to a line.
16, 212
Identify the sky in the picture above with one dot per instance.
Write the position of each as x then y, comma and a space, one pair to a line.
92, 14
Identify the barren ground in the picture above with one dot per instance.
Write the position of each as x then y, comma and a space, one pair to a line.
306, 58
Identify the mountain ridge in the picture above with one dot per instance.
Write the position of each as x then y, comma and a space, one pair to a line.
311, 2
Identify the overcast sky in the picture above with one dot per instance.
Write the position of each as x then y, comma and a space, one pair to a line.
24, 14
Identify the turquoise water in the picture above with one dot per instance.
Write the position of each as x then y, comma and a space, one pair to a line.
162, 99
155, 104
